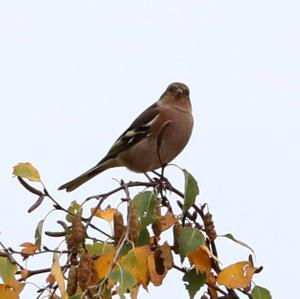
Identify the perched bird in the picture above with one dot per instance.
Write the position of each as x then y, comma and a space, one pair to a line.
154, 139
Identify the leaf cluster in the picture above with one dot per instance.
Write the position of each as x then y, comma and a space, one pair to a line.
156, 234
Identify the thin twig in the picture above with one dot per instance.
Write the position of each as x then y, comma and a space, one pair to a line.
10, 257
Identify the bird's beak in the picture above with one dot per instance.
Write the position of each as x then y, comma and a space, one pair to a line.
179, 92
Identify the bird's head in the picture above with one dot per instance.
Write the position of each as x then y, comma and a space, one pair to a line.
178, 95
178, 90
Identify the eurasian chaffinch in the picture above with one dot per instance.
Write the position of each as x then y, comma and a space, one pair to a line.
154, 139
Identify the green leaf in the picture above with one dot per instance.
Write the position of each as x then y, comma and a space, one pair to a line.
144, 204
124, 278
125, 249
75, 208
260, 293
99, 248
7, 269
194, 281
232, 238
144, 238
38, 234
189, 240
191, 191
76, 297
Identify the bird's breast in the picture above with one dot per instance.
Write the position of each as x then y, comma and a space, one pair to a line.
166, 139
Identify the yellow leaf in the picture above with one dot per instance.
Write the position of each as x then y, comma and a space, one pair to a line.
28, 249
210, 254
200, 259
107, 214
103, 264
168, 220
135, 262
237, 275
58, 275
26, 170
7, 293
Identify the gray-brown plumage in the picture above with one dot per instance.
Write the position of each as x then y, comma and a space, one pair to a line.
155, 137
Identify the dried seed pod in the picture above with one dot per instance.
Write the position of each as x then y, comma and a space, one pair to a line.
72, 281
78, 229
85, 271
71, 243
176, 232
210, 226
134, 225
28, 187
37, 203
55, 234
77, 234
62, 224
73, 259
118, 227
157, 226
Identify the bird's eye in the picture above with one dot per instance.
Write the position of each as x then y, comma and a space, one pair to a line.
171, 88
186, 91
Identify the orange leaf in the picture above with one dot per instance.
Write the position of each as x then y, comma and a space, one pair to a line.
103, 264
210, 254
168, 220
237, 275
135, 262
155, 277
51, 279
166, 255
15, 285
107, 214
200, 259
159, 262
7, 293
29, 248
25, 273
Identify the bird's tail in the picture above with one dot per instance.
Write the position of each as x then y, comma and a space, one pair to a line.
75, 183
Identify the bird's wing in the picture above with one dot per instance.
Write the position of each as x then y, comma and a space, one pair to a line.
135, 133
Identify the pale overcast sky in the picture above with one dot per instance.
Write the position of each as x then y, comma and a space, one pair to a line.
74, 74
